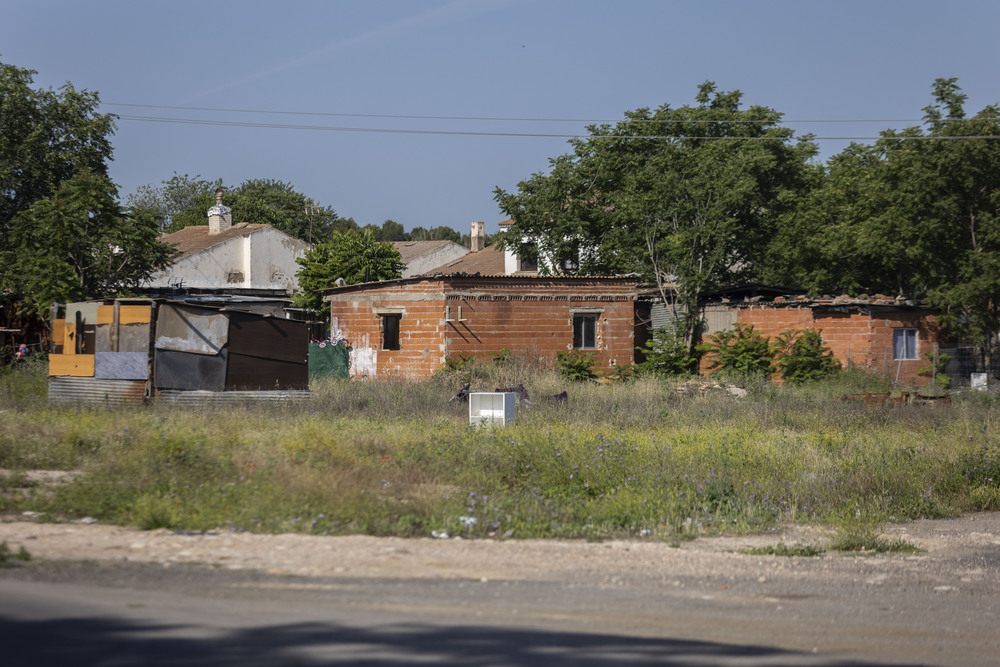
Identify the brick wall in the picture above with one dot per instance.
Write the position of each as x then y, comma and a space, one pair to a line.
858, 335
531, 317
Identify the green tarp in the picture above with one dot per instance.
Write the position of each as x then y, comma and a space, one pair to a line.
328, 360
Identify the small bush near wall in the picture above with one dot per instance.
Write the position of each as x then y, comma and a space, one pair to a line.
576, 365
739, 351
665, 354
801, 356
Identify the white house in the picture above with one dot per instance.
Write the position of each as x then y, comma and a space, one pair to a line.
239, 258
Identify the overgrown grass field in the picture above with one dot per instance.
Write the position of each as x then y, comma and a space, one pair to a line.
652, 458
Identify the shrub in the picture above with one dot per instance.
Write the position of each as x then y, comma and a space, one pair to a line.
457, 362
739, 351
576, 365
667, 354
935, 369
803, 357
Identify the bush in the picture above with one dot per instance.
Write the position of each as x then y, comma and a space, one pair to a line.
667, 354
576, 365
935, 370
739, 351
803, 357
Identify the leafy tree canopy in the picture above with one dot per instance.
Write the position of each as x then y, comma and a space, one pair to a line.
79, 244
354, 256
687, 197
178, 193
917, 214
182, 201
46, 137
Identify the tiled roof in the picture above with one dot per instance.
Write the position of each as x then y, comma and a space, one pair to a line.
488, 261
410, 250
196, 238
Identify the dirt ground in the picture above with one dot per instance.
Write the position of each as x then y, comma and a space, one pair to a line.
942, 541
938, 606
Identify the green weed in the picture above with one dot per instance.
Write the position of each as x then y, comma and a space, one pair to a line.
782, 549
10, 558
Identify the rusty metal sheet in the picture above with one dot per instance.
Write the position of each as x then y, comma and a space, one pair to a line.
121, 365
254, 373
190, 329
94, 391
268, 338
186, 370
202, 398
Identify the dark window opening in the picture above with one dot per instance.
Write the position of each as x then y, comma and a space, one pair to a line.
390, 332
584, 331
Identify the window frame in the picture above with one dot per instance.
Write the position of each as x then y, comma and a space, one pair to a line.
580, 330
390, 334
903, 339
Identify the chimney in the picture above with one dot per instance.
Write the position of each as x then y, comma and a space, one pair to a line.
478, 237
220, 216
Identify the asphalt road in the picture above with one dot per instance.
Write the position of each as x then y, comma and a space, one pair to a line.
937, 608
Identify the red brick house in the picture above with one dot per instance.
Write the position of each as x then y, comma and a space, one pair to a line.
889, 336
410, 326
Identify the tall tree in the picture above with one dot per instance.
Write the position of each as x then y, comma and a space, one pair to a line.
917, 215
354, 256
265, 201
176, 194
46, 137
686, 197
79, 244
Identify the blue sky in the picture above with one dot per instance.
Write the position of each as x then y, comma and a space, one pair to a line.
496, 59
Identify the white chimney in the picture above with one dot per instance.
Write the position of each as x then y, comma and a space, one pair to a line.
220, 216
478, 236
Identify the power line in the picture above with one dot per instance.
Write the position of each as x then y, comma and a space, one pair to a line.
327, 128
508, 119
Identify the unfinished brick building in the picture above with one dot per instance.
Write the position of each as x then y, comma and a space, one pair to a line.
410, 326
889, 336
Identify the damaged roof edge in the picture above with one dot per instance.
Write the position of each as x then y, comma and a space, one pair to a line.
515, 279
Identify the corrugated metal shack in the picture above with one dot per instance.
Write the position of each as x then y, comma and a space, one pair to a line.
127, 351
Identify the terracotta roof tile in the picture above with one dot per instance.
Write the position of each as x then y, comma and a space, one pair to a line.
488, 261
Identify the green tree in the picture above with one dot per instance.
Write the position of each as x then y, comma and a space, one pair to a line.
440, 233
46, 137
354, 256
391, 231
686, 197
258, 201
176, 194
917, 215
79, 244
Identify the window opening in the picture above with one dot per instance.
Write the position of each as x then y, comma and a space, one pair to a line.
390, 332
904, 344
584, 331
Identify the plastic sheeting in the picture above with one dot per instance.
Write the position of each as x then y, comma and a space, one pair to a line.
188, 329
328, 360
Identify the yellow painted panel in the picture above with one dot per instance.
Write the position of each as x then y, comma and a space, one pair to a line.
59, 332
69, 342
77, 365
126, 314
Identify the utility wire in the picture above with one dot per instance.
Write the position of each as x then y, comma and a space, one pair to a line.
510, 119
327, 128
